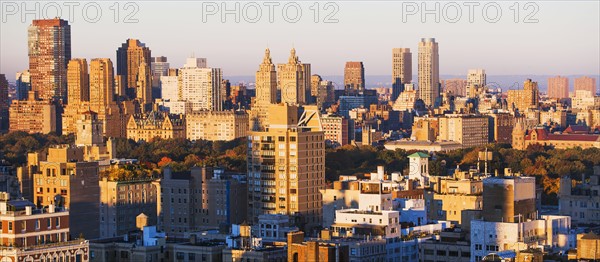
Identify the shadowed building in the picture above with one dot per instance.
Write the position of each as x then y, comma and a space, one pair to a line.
354, 77
130, 56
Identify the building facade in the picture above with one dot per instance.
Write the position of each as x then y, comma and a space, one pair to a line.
293, 80
121, 201
429, 71
33, 115
586, 83
130, 56
469, 130
401, 70
64, 179
31, 234
527, 98
286, 166
558, 87
216, 125
49, 53
354, 76
148, 126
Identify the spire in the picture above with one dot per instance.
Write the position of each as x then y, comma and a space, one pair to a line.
293, 58
267, 59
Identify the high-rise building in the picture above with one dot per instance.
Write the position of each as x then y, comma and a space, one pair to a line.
469, 130
354, 76
143, 93
286, 166
266, 92
401, 70
32, 115
429, 71
3, 103
293, 80
130, 56
22, 84
501, 127
78, 85
159, 67
586, 83
201, 86
201, 198
102, 88
558, 87
49, 53
314, 85
524, 99
476, 77
170, 86
121, 201
65, 179
338, 130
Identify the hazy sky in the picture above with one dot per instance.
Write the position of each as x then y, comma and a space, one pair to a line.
564, 40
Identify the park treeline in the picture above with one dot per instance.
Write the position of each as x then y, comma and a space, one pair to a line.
545, 163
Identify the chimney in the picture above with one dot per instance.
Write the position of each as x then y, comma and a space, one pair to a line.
28, 210
51, 208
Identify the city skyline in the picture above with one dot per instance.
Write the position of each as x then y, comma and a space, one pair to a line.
460, 50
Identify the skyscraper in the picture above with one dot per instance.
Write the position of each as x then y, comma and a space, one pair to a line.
586, 83
286, 168
354, 76
49, 52
143, 92
558, 87
293, 80
102, 87
401, 70
23, 84
266, 92
159, 67
78, 87
129, 57
3, 103
429, 71
201, 86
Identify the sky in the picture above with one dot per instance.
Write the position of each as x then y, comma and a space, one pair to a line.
540, 38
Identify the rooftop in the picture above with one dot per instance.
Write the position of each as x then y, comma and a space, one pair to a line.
419, 155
